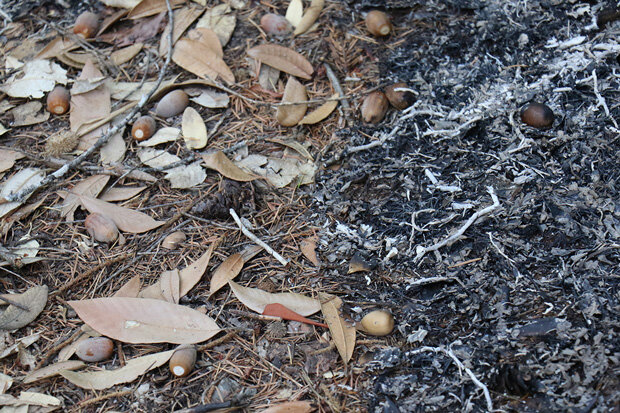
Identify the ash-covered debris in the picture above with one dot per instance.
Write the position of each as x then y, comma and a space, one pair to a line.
530, 289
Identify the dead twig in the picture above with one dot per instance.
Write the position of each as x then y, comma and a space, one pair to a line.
256, 240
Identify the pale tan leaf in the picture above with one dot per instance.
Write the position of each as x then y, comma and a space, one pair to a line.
162, 135
283, 58
256, 300
56, 47
131, 288
189, 276
113, 18
193, 129
53, 370
126, 4
34, 299
103, 379
250, 252
226, 271
219, 162
114, 150
220, 20
186, 176
126, 53
308, 249
156, 158
22, 179
342, 332
169, 282
3, 130
293, 144
121, 193
290, 115
151, 7
294, 12
291, 407
8, 158
208, 38
197, 58
212, 99
310, 16
90, 186
144, 320
321, 112
125, 219
182, 20
34, 79
38, 399
29, 114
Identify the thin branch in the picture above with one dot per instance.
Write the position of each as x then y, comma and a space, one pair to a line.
256, 240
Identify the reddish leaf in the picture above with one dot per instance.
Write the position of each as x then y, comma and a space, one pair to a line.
278, 310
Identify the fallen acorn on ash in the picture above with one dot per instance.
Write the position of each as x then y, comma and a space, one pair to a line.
537, 115
375, 105
377, 323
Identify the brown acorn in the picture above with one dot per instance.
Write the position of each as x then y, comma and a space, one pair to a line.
378, 323
378, 23
374, 107
95, 349
183, 360
101, 228
537, 115
86, 25
400, 100
172, 104
275, 24
58, 100
143, 128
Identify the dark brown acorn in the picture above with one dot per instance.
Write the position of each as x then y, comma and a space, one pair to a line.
537, 115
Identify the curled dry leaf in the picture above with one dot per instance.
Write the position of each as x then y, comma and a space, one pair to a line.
294, 145
8, 157
200, 60
126, 53
220, 163
121, 193
162, 135
90, 186
186, 176
282, 58
290, 115
33, 300
103, 379
358, 264
226, 271
144, 320
342, 332
321, 112
53, 370
34, 79
278, 310
125, 219
194, 129
309, 17
256, 300
151, 7
291, 407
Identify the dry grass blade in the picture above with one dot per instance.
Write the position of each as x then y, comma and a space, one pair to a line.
343, 334
201, 60
284, 59
291, 407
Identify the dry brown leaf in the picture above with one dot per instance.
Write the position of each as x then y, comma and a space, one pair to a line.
113, 18
291, 407
125, 219
34, 299
293, 144
150, 7
131, 288
256, 300
226, 271
308, 249
28, 114
200, 60
56, 47
283, 58
358, 264
144, 320
189, 276
342, 332
294, 12
126, 54
220, 20
53, 370
121, 193
8, 158
220, 163
293, 92
208, 38
90, 186
194, 129
309, 17
170, 283
103, 379
321, 112
182, 20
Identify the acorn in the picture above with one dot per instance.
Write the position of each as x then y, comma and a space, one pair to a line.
173, 240
58, 100
95, 349
537, 115
183, 360
143, 128
374, 107
275, 24
101, 228
400, 100
378, 23
378, 323
172, 104
86, 25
